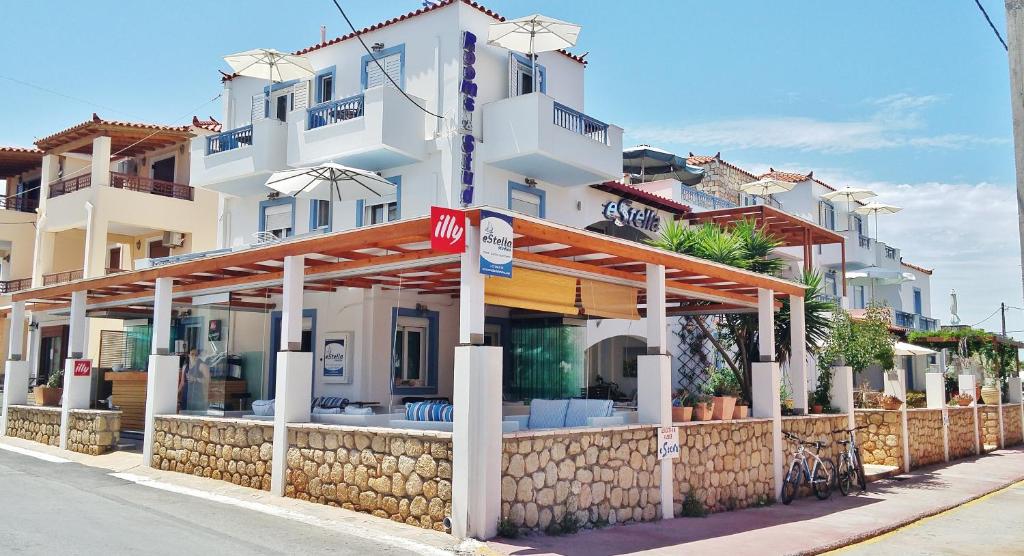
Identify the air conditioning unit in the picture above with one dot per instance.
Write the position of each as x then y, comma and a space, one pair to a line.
173, 239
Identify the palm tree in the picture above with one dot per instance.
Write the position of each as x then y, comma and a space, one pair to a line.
749, 247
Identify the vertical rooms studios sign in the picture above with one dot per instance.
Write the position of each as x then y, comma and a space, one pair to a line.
467, 105
495, 244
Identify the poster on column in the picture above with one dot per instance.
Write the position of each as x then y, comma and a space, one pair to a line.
495, 244
668, 443
336, 358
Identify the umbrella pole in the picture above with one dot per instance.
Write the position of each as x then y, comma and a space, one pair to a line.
533, 63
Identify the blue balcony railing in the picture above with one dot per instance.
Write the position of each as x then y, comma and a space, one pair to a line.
904, 320
229, 140
927, 324
693, 196
580, 123
334, 111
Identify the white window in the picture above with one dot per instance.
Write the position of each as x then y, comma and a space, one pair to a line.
277, 220
526, 202
410, 352
326, 87
321, 214
392, 64
380, 213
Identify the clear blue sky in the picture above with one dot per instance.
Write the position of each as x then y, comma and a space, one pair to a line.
910, 98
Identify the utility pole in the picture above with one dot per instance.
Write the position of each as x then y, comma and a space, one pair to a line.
1002, 315
1014, 38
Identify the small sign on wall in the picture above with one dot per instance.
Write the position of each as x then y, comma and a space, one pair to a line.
337, 360
668, 443
83, 367
495, 244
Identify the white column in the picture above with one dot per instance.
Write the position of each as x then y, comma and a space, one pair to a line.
100, 161
16, 337
162, 375
935, 393
654, 377
43, 255
966, 384
294, 387
471, 291
657, 322
999, 413
77, 389
476, 442
842, 393
95, 258
768, 405
16, 373
798, 352
766, 324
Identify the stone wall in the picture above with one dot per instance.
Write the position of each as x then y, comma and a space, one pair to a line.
724, 464
961, 432
722, 180
988, 426
93, 431
813, 427
37, 423
882, 442
402, 475
234, 450
924, 431
599, 475
1012, 425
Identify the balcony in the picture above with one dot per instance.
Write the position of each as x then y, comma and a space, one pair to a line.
11, 286
70, 185
374, 130
153, 187
534, 136
20, 204
61, 277
697, 198
911, 321
238, 161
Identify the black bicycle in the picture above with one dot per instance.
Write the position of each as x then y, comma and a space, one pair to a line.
850, 469
819, 475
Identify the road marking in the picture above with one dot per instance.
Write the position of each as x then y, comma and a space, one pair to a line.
34, 454
347, 528
926, 519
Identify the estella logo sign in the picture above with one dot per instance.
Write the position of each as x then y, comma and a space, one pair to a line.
447, 230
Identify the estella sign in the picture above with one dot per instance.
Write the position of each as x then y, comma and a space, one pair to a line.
447, 230
622, 213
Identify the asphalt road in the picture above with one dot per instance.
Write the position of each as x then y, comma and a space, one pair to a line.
990, 525
67, 508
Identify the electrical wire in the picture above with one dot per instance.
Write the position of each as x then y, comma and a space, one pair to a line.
60, 94
992, 25
373, 57
985, 319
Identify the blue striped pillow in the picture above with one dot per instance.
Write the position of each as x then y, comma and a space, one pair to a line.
429, 411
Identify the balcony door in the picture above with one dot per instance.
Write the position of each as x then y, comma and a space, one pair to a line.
114, 262
520, 76
163, 170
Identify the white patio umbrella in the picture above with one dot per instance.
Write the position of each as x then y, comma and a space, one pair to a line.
766, 187
849, 194
269, 64
876, 208
953, 309
532, 34
325, 181
903, 348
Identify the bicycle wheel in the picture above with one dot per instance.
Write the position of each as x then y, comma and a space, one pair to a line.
844, 475
858, 466
791, 483
822, 477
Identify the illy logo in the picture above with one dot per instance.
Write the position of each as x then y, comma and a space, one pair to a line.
447, 230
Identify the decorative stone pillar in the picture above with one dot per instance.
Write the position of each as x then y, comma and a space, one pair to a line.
967, 385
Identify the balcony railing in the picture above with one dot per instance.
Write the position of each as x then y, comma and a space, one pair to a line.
151, 186
694, 196
61, 277
927, 324
20, 204
828, 298
865, 241
890, 253
334, 111
903, 320
580, 123
70, 185
11, 286
229, 140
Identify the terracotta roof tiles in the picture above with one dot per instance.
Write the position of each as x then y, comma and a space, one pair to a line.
210, 125
917, 268
700, 160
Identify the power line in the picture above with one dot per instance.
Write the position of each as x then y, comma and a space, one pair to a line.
373, 57
986, 318
60, 94
992, 25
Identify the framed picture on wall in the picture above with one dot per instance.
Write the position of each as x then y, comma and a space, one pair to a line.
337, 358
214, 333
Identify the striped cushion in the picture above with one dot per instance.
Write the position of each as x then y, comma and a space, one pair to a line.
580, 410
547, 414
429, 411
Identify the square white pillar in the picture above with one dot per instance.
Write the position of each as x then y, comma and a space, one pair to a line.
16, 336
798, 352
654, 405
161, 398
77, 389
766, 324
657, 322
768, 404
294, 389
100, 169
476, 442
842, 393
97, 226
967, 385
1013, 394
291, 301
471, 290
935, 390
16, 377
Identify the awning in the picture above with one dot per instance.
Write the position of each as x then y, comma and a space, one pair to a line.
656, 164
903, 348
533, 289
613, 301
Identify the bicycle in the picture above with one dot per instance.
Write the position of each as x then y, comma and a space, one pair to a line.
851, 468
819, 475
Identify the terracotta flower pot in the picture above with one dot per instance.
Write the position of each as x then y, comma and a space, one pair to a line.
48, 396
817, 408
891, 405
964, 402
702, 412
723, 407
682, 414
740, 412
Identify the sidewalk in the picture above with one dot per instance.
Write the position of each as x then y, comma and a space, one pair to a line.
808, 526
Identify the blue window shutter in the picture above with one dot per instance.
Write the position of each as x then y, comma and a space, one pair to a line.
359, 213
397, 180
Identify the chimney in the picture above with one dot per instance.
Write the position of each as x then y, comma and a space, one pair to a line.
323, 34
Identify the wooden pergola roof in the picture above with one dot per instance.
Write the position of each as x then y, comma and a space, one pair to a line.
15, 160
398, 255
792, 230
126, 138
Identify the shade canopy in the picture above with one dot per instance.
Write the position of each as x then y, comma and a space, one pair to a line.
331, 181
879, 275
767, 186
849, 194
877, 208
903, 348
267, 63
533, 33
656, 164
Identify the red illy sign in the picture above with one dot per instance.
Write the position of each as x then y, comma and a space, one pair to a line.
447, 230
82, 367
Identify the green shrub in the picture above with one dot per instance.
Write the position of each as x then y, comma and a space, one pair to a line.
507, 529
693, 507
916, 399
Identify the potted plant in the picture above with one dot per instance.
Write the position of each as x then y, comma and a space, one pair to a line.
786, 395
963, 400
725, 389
890, 402
702, 408
51, 393
682, 406
742, 409
822, 395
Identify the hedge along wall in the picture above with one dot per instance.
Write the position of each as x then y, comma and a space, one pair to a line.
988, 426
924, 428
607, 475
402, 475
36, 423
724, 464
882, 442
1012, 425
235, 450
813, 427
961, 432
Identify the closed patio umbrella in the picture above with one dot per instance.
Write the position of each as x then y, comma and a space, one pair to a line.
903, 348
532, 34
